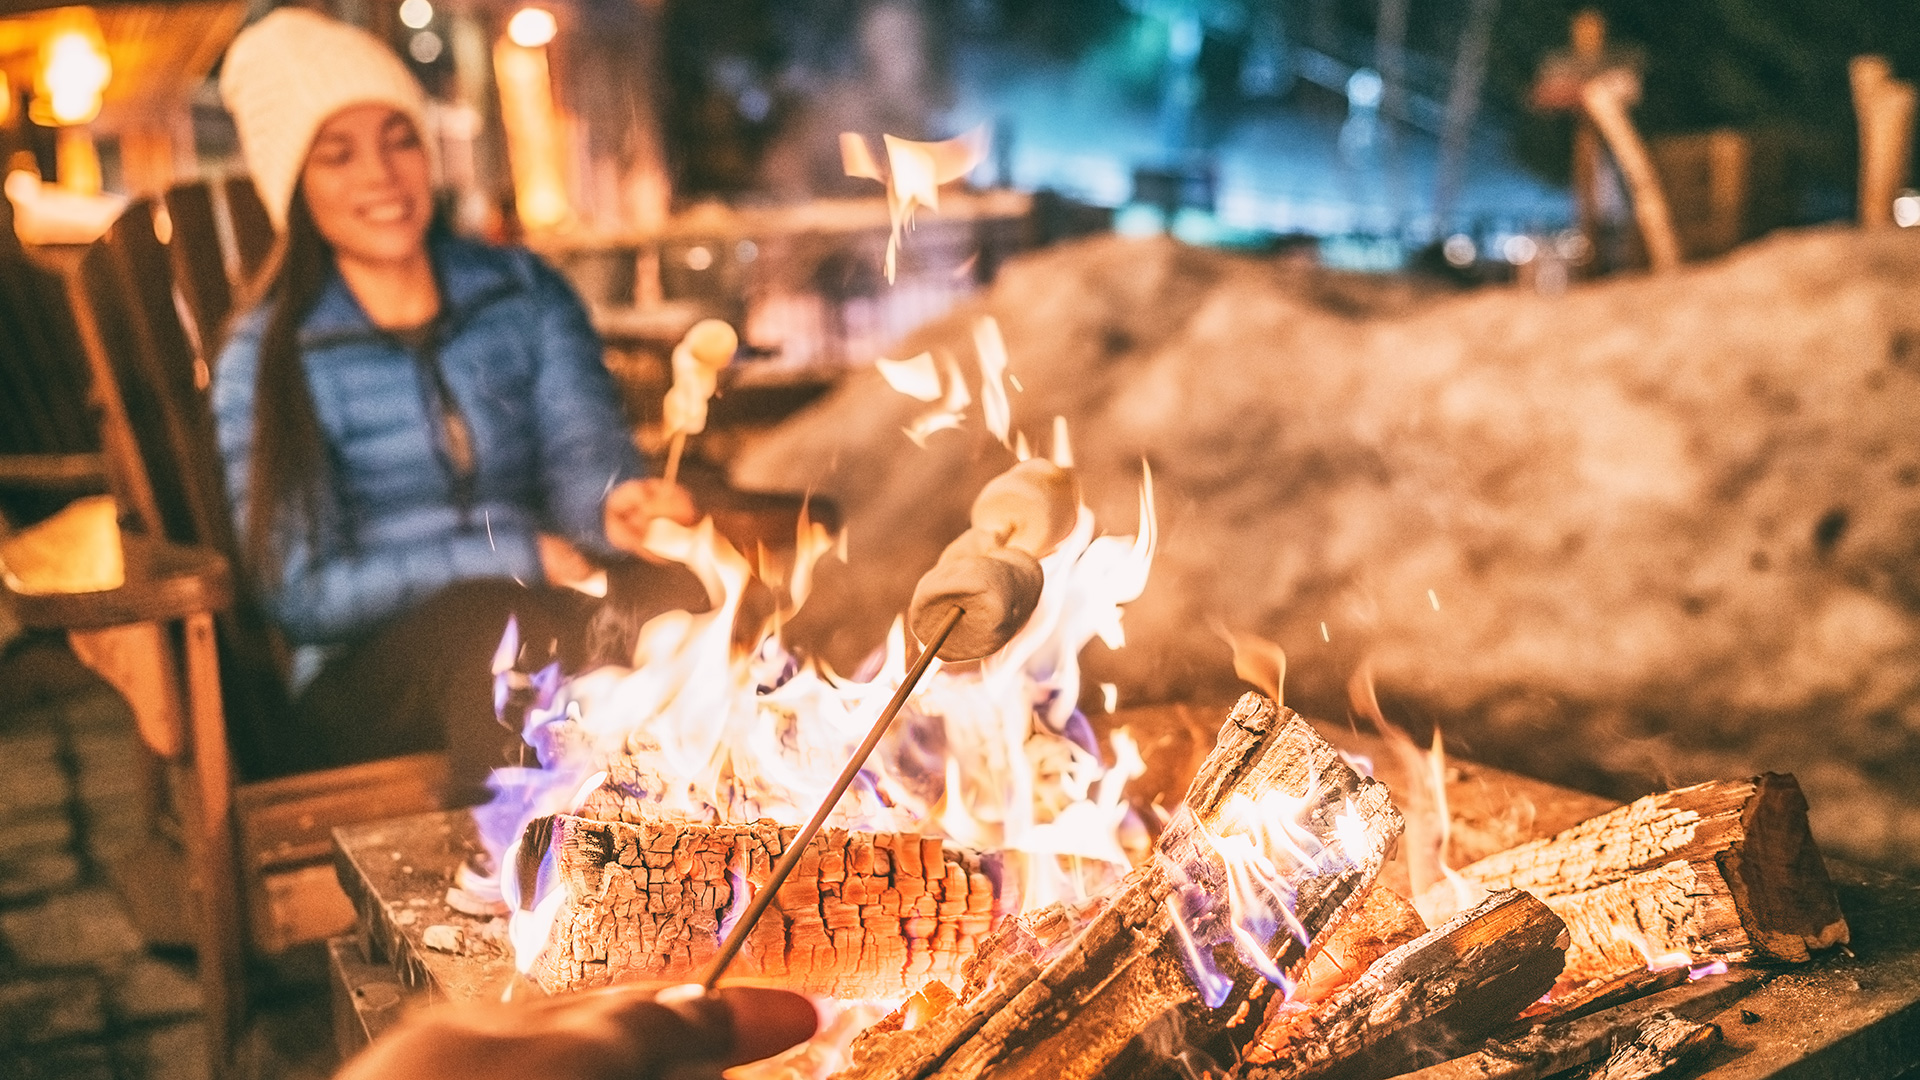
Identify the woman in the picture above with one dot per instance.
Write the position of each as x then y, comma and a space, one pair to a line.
419, 434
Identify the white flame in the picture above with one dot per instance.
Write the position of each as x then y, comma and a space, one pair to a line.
915, 376
992, 755
915, 172
992, 351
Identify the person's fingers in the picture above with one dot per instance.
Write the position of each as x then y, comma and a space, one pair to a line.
767, 1021
734, 1025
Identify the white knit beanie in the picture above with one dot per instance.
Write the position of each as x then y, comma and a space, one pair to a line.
287, 74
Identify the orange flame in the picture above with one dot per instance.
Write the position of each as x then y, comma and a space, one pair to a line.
700, 729
1429, 824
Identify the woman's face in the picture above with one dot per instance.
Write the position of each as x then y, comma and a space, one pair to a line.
366, 181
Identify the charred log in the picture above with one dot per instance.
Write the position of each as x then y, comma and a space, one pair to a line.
1666, 1043
1423, 1002
869, 915
1726, 869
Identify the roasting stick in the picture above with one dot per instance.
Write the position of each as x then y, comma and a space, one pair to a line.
975, 599
737, 937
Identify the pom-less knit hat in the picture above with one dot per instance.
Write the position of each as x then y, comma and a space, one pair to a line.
287, 74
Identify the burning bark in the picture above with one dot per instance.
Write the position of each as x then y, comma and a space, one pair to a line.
1724, 870
865, 915
1425, 1001
1045, 1000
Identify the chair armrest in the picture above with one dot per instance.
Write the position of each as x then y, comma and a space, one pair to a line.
165, 581
79, 473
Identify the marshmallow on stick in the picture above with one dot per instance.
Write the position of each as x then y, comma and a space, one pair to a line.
697, 363
992, 571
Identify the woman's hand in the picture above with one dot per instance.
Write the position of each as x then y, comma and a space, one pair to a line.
633, 504
616, 1033
562, 563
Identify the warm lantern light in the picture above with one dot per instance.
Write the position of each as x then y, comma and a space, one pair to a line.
536, 149
74, 72
532, 27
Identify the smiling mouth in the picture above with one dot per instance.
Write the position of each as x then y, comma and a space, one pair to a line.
386, 213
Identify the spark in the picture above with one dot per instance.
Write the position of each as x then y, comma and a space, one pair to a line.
1434, 599
1323, 632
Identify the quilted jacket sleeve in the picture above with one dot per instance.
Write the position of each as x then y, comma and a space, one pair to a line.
586, 444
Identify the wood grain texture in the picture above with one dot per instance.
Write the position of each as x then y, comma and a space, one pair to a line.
1664, 1044
865, 915
1069, 1005
1725, 869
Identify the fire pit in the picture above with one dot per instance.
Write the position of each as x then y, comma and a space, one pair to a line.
1849, 1011
993, 876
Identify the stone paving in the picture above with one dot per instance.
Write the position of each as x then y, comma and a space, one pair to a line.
82, 993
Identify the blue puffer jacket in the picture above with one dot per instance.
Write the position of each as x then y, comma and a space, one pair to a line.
524, 365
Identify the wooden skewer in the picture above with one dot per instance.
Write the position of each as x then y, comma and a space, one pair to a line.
737, 937
674, 451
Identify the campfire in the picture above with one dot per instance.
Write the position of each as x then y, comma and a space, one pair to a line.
987, 881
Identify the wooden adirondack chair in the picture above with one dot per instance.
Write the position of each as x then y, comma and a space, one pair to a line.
173, 640
200, 668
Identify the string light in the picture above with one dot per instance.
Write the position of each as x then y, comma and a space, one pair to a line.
416, 14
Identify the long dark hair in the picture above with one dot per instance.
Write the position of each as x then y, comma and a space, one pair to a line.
289, 461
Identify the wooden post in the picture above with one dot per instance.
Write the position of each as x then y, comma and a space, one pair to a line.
220, 961
1884, 107
1604, 101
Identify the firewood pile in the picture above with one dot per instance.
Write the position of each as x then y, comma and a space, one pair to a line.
1246, 944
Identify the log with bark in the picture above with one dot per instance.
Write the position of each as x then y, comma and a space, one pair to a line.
1423, 1002
1553, 1048
1063, 998
865, 915
1726, 870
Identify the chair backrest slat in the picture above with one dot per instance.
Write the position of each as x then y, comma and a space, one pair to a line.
129, 285
125, 302
253, 234
199, 267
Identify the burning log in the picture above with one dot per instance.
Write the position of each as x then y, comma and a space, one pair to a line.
1600, 994
1425, 1001
866, 915
1725, 870
1047, 1000
1384, 922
